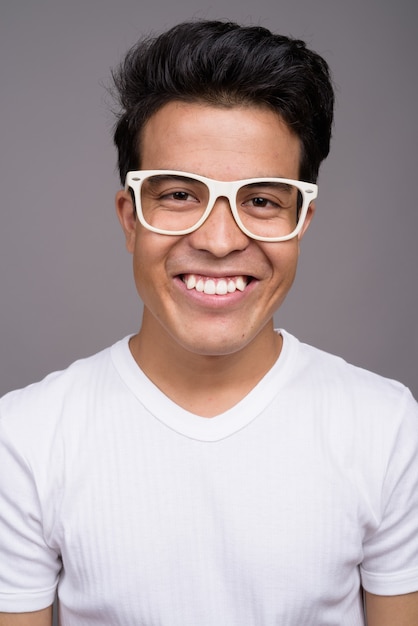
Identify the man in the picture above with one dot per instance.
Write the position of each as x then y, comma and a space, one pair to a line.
211, 470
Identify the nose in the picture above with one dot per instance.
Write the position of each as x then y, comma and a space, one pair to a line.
219, 234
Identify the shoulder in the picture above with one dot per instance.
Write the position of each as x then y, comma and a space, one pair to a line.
345, 391
326, 369
43, 403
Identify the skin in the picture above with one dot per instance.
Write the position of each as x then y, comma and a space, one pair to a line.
222, 345
392, 610
34, 618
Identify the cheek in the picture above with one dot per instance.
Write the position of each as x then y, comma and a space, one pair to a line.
144, 265
149, 263
284, 258
284, 274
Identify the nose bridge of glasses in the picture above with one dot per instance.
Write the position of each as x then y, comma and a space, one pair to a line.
221, 210
224, 191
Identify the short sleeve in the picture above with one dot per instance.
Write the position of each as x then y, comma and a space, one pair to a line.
390, 565
29, 568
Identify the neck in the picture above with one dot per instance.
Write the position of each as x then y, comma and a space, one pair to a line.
206, 385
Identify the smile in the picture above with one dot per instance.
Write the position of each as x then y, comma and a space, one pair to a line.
215, 286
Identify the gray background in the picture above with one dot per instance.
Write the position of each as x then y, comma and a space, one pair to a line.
65, 278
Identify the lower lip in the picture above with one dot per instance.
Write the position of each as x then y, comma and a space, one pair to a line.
213, 300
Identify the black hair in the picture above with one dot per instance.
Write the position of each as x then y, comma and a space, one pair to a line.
224, 64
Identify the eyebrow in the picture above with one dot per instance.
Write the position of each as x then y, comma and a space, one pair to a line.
175, 177
269, 183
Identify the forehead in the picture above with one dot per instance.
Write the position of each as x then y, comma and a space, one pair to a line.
220, 142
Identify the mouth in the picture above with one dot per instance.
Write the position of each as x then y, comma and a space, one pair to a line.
211, 285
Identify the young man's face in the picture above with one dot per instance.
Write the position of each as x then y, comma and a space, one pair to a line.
224, 144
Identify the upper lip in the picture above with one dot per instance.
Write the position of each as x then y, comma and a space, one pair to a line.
208, 273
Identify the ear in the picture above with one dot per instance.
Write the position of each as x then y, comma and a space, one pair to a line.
308, 219
126, 214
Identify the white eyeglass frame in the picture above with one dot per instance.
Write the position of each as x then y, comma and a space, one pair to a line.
220, 189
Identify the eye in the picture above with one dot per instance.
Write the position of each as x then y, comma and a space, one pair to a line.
182, 196
261, 202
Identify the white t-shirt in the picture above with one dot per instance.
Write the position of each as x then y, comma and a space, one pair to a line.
274, 512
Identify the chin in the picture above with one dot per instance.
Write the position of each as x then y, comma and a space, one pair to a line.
215, 344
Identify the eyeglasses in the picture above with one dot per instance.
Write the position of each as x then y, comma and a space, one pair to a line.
177, 203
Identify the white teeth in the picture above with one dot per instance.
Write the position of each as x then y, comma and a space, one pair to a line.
191, 281
212, 286
222, 287
241, 283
